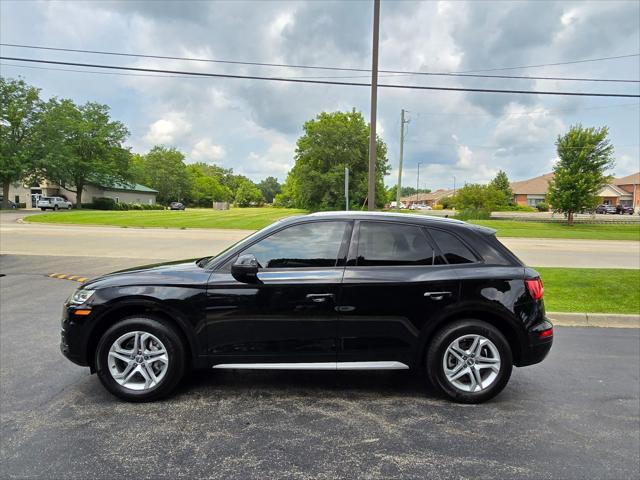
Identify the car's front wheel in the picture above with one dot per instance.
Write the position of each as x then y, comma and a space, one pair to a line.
469, 361
140, 359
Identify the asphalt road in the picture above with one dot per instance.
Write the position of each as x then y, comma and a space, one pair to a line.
175, 244
577, 415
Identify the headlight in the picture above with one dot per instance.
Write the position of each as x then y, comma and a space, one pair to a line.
81, 296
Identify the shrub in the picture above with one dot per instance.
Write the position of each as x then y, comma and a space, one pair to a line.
473, 214
542, 207
103, 203
438, 207
447, 203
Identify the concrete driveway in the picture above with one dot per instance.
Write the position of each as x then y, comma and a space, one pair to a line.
174, 244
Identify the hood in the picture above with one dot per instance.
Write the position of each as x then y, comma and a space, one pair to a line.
182, 272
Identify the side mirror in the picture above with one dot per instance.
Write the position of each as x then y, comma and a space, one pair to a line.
245, 269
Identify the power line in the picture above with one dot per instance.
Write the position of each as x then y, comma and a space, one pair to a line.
532, 112
321, 82
470, 74
418, 113
555, 64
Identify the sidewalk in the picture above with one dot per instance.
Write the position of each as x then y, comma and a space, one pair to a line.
605, 320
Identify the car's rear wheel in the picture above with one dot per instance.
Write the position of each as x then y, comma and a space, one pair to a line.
469, 361
140, 358
55, 207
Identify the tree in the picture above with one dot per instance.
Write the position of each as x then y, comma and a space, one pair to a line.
269, 188
579, 174
501, 183
206, 186
20, 115
82, 145
164, 170
478, 200
331, 142
248, 194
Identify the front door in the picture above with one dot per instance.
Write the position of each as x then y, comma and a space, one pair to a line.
288, 316
393, 284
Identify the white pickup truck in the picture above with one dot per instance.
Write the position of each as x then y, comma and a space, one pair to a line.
53, 203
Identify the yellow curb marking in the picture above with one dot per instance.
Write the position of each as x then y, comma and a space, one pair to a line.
64, 276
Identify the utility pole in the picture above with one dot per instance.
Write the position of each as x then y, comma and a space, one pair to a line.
399, 188
346, 188
374, 107
418, 182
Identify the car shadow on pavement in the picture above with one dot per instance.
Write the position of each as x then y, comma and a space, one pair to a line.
281, 382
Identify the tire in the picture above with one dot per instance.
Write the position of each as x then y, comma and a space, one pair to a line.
55, 208
462, 389
169, 374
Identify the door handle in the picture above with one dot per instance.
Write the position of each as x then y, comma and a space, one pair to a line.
319, 297
437, 295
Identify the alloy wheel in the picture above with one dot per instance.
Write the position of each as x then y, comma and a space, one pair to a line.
138, 360
471, 363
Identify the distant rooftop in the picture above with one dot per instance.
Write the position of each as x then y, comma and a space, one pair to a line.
126, 187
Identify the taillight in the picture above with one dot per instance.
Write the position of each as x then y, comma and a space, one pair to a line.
546, 333
536, 290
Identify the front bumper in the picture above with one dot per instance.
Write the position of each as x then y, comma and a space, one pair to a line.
73, 336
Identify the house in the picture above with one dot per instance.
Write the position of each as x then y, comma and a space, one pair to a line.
531, 192
623, 191
630, 184
432, 199
119, 191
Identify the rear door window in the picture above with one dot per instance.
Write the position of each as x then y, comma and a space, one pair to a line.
452, 248
382, 243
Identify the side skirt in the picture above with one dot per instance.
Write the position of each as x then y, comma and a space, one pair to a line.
316, 366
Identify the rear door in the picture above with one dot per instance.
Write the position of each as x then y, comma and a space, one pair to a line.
394, 283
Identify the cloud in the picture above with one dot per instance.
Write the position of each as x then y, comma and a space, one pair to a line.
205, 151
252, 126
168, 130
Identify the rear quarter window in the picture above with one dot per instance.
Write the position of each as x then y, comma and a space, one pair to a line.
453, 249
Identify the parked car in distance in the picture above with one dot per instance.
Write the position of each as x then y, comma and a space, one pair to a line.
606, 209
53, 203
424, 207
176, 206
624, 210
395, 205
326, 291
12, 205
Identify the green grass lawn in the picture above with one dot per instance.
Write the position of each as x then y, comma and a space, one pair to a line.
256, 218
591, 290
514, 228
241, 218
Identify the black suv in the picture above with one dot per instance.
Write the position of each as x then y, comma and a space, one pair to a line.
326, 291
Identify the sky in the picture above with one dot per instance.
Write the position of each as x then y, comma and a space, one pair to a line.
252, 126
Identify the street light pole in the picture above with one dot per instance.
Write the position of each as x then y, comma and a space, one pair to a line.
374, 107
399, 188
418, 182
346, 188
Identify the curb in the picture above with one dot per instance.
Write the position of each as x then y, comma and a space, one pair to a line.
605, 320
63, 276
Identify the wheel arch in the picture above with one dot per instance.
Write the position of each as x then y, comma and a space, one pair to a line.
505, 325
130, 308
